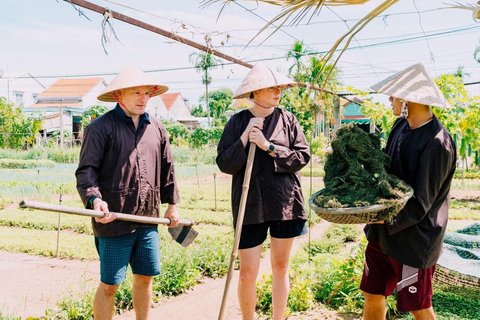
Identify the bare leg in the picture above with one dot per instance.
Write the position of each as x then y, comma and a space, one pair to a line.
375, 308
103, 302
280, 259
142, 296
424, 314
247, 284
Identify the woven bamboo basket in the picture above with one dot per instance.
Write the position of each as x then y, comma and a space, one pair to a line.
358, 215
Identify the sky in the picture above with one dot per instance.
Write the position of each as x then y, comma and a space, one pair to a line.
42, 40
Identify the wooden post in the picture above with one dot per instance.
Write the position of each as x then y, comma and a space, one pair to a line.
58, 227
215, 189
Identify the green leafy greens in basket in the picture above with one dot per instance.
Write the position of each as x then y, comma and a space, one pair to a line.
355, 172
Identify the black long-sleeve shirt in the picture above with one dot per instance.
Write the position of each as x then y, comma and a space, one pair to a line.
130, 169
425, 158
274, 192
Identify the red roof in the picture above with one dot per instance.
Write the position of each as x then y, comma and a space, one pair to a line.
169, 99
70, 87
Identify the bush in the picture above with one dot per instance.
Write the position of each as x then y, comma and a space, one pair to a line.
25, 164
178, 132
204, 136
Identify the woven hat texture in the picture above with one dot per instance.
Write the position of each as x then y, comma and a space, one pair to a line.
262, 76
413, 84
128, 78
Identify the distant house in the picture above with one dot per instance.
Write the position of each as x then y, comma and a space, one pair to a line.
69, 97
172, 107
352, 112
22, 90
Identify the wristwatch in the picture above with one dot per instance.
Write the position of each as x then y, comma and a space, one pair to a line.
271, 148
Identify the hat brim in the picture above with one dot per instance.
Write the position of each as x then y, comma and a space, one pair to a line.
107, 96
247, 95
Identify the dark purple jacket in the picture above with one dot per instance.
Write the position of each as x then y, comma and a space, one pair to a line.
274, 193
131, 169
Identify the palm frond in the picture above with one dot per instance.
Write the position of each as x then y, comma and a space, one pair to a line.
296, 10
474, 8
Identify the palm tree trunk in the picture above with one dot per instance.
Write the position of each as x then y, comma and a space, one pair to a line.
206, 96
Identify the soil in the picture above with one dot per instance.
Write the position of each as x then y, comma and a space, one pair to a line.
31, 284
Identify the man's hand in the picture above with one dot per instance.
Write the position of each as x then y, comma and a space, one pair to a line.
172, 214
100, 205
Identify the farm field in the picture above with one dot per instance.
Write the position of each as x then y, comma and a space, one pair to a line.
35, 233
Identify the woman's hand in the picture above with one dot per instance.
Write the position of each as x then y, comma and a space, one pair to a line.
257, 137
254, 123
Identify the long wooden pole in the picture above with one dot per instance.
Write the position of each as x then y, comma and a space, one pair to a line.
102, 10
149, 27
100, 214
238, 226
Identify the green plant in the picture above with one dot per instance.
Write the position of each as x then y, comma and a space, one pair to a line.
178, 132
91, 114
25, 164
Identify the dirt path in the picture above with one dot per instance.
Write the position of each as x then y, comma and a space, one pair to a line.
31, 284
204, 300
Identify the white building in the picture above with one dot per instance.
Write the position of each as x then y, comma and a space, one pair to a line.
69, 97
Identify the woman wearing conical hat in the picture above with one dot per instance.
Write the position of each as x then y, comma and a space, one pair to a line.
402, 255
275, 202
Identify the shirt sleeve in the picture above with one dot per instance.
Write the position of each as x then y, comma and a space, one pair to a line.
168, 183
91, 157
231, 153
435, 166
293, 158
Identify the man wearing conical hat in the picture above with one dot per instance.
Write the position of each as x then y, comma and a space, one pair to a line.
402, 255
126, 166
275, 201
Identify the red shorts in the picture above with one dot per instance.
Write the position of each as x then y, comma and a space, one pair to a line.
382, 274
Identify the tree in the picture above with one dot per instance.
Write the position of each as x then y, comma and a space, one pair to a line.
198, 112
177, 132
220, 102
203, 62
92, 113
306, 103
297, 52
463, 119
16, 130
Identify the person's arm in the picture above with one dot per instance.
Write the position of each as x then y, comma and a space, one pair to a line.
435, 165
168, 182
91, 156
293, 158
231, 150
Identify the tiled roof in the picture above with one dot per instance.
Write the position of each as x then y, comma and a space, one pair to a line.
169, 99
70, 87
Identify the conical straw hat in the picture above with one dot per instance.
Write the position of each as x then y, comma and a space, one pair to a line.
413, 84
128, 78
260, 77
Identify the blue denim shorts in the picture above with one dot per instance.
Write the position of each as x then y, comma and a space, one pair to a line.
140, 249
